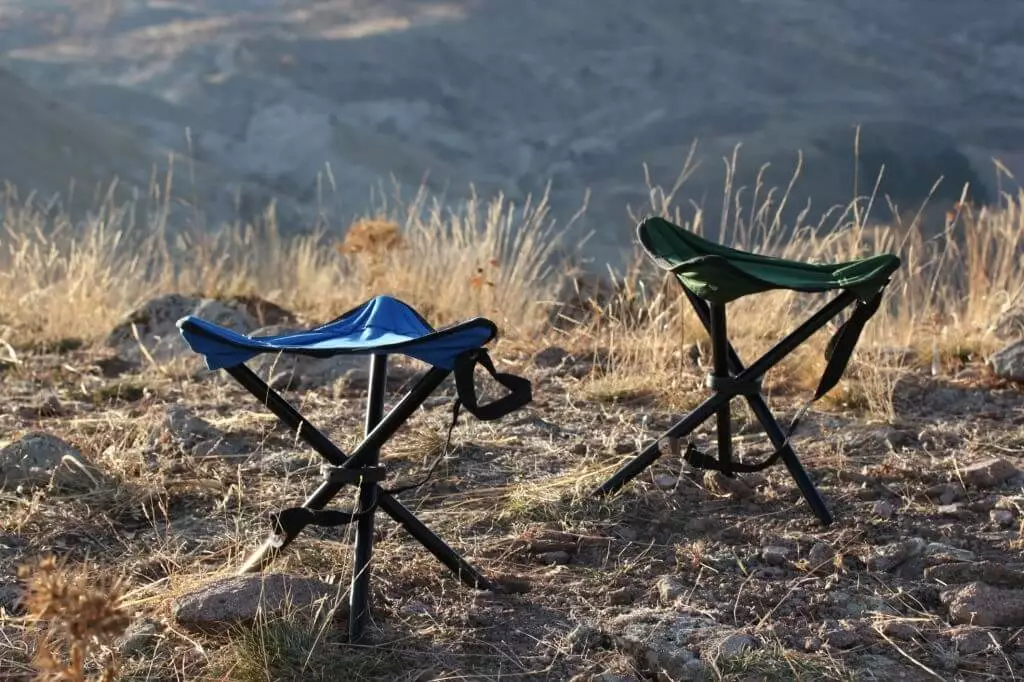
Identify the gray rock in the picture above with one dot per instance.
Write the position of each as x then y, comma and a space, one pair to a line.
972, 640
989, 572
718, 482
883, 509
820, 553
197, 436
10, 598
556, 558
1002, 517
938, 551
665, 482
662, 641
1010, 324
240, 600
156, 324
775, 555
154, 320
669, 589
551, 357
900, 629
39, 458
1008, 363
140, 639
621, 597
889, 557
983, 605
844, 637
734, 645
185, 427
989, 473
583, 638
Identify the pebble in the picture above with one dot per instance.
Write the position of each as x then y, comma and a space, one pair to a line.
557, 558
665, 481
883, 509
775, 555
1002, 517
669, 589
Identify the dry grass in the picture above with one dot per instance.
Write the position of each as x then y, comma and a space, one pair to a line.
63, 286
76, 619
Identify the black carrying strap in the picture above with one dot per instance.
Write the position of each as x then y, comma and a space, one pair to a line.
520, 390
838, 352
291, 521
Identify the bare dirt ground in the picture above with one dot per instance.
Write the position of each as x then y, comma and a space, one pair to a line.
685, 576
509, 96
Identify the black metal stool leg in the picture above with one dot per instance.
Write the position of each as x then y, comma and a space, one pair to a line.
720, 370
359, 596
764, 414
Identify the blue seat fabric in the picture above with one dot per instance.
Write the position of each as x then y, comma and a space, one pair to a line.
381, 325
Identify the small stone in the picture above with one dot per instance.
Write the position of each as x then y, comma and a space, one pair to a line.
583, 638
48, 407
955, 510
989, 572
843, 638
665, 482
556, 558
989, 473
971, 640
949, 495
775, 555
947, 553
623, 447
888, 557
551, 357
820, 553
701, 524
38, 458
1002, 517
10, 599
628, 534
900, 629
812, 644
719, 483
662, 641
140, 639
982, 605
620, 597
883, 509
242, 599
1008, 363
185, 427
736, 644
669, 589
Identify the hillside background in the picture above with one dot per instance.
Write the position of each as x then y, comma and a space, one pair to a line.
259, 98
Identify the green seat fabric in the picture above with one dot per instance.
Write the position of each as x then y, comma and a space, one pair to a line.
720, 274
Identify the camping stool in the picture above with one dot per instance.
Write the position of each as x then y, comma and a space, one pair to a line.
378, 327
712, 275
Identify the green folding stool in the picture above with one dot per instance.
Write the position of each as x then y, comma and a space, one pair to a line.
712, 275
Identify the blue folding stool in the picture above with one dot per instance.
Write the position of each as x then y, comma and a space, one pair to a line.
378, 327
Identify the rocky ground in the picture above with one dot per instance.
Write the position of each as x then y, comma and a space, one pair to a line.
144, 465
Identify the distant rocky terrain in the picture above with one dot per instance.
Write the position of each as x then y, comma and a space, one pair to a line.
264, 97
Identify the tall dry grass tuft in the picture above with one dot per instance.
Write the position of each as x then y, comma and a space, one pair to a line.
78, 622
60, 281
957, 280
494, 258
